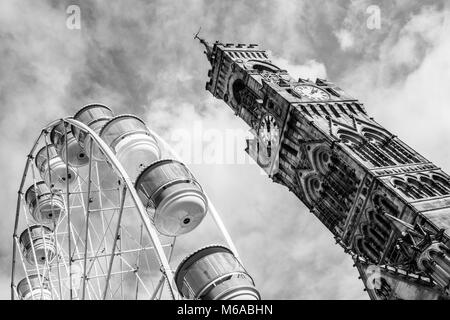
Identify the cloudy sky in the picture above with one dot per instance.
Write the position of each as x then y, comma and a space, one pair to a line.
139, 57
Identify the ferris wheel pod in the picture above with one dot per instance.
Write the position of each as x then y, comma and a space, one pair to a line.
134, 146
174, 198
87, 140
95, 116
31, 288
44, 205
77, 156
89, 115
38, 243
214, 273
53, 169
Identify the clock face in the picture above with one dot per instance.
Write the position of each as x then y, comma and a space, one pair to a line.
269, 135
311, 92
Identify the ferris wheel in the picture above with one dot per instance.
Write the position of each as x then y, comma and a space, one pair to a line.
103, 204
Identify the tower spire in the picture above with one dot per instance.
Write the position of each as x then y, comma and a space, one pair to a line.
208, 47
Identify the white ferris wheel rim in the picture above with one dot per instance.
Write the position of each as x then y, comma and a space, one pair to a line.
166, 270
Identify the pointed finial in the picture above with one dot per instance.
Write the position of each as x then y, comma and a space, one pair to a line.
208, 47
196, 35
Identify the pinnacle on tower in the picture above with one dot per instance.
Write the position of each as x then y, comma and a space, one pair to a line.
208, 47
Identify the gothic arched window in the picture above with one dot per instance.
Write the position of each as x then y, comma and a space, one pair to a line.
437, 187
321, 159
384, 205
313, 187
425, 190
442, 182
237, 87
361, 148
366, 248
408, 190
388, 146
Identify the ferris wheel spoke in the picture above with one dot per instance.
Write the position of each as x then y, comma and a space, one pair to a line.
100, 249
105, 228
135, 241
69, 226
58, 268
100, 202
170, 258
138, 277
138, 258
103, 241
101, 193
146, 259
121, 264
76, 238
88, 224
61, 261
89, 288
160, 287
135, 270
86, 208
116, 236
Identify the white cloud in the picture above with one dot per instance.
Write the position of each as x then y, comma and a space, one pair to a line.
406, 87
311, 69
345, 38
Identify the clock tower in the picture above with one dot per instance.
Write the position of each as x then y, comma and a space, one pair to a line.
384, 203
